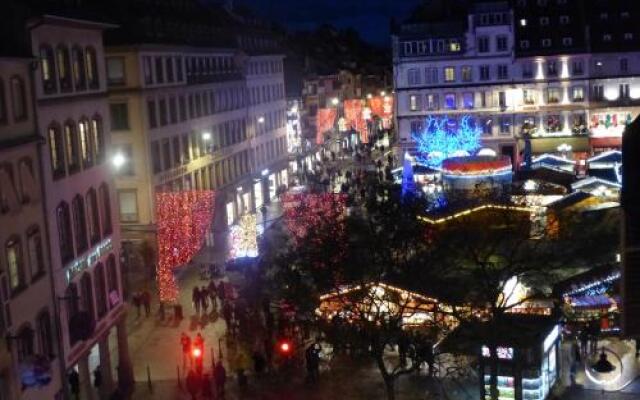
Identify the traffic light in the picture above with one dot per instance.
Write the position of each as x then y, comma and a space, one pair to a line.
285, 347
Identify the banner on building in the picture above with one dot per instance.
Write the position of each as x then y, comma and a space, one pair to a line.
326, 118
354, 113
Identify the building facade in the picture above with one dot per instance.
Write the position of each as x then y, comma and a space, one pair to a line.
27, 313
73, 118
524, 71
202, 114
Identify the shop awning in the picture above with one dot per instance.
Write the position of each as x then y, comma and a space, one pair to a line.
606, 142
550, 145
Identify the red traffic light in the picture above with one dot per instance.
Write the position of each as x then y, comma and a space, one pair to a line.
285, 347
197, 352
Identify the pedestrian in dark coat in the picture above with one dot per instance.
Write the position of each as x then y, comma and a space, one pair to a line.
220, 376
195, 297
146, 301
185, 342
207, 392
193, 384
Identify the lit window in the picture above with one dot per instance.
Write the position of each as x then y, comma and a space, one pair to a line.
523, 22
467, 100
628, 36
606, 37
466, 74
13, 251
577, 93
450, 101
454, 46
414, 102
449, 74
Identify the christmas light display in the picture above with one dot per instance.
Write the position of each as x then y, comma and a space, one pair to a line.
441, 138
182, 220
353, 112
325, 120
243, 238
408, 182
304, 212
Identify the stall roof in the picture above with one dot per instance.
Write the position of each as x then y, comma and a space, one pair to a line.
569, 200
583, 280
513, 330
555, 176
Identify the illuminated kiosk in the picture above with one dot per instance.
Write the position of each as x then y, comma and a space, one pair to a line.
472, 173
527, 350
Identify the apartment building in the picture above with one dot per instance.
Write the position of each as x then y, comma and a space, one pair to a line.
27, 314
206, 112
524, 70
73, 119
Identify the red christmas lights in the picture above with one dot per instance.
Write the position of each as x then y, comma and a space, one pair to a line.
182, 219
325, 120
304, 212
354, 116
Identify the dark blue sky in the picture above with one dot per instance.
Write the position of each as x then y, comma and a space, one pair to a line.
369, 17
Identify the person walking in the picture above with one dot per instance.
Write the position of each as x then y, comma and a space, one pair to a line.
193, 384
185, 342
146, 301
137, 302
195, 297
213, 295
74, 383
220, 376
207, 392
204, 299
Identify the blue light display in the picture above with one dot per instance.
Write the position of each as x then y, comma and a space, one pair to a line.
443, 137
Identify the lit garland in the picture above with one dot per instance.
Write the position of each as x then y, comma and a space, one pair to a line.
472, 210
243, 238
182, 219
442, 138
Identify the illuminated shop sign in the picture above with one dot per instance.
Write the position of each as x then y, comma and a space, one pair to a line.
609, 124
504, 353
81, 263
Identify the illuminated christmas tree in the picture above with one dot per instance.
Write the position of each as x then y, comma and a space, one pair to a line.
443, 137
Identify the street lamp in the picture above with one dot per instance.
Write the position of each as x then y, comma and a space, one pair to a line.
206, 135
118, 160
261, 120
369, 95
335, 101
383, 93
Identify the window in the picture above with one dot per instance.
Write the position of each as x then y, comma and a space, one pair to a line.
483, 44
604, 16
79, 223
528, 97
147, 70
112, 278
577, 67
159, 70
598, 92
72, 307
432, 101
97, 139
100, 290
624, 65
553, 95
503, 71
85, 144
63, 219
13, 256
173, 111
179, 76
524, 44
577, 93
485, 73
27, 187
487, 127
546, 42
567, 41
466, 73
527, 70
454, 46
502, 100
552, 68
413, 76
151, 109
56, 151
564, 19
176, 150
36, 252
86, 297
414, 102
606, 37
119, 116
93, 215
502, 43
185, 148
628, 36
162, 112
64, 68
128, 200
169, 64
45, 335
467, 100
48, 69
106, 209
71, 144
450, 101
18, 97
3, 105
78, 68
449, 74
416, 126
553, 123
183, 108
505, 125
92, 68
624, 90
155, 157
115, 71
544, 21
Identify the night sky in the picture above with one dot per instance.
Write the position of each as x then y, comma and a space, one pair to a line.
369, 17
